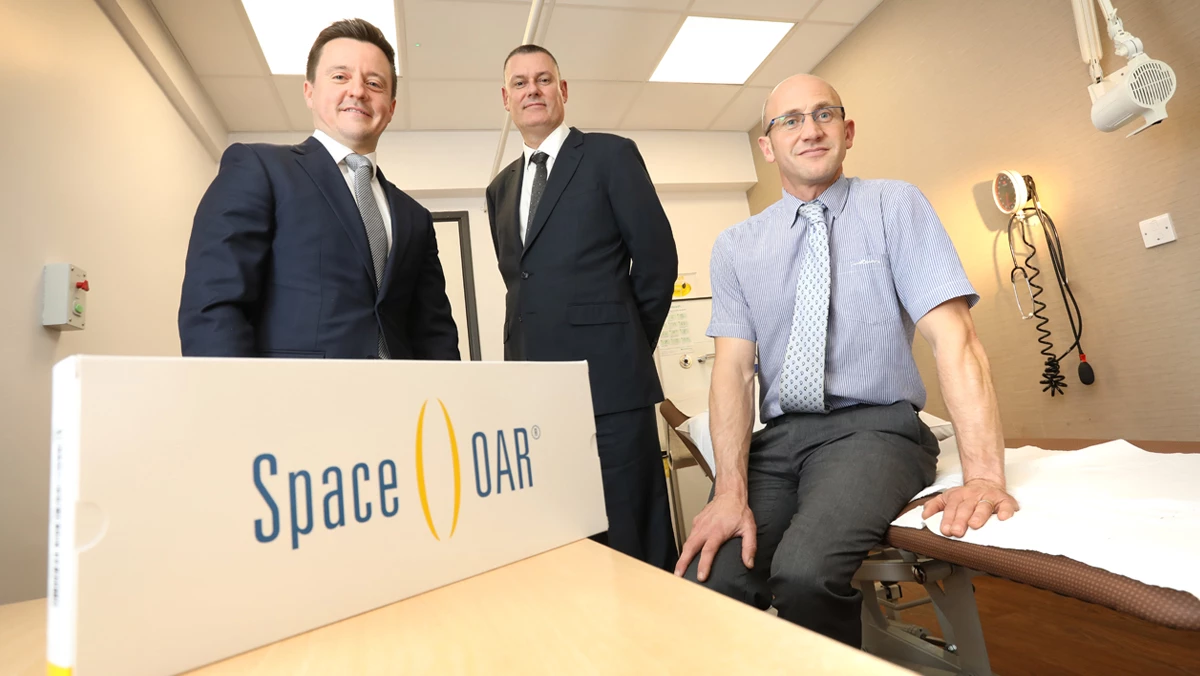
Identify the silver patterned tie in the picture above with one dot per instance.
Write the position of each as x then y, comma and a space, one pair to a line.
802, 383
373, 221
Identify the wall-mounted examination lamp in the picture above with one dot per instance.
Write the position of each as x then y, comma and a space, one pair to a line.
1142, 87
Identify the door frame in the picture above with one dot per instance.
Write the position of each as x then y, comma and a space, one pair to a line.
468, 273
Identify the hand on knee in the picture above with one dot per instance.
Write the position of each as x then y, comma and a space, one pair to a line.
724, 518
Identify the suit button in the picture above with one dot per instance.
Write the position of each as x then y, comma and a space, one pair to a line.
520, 318
524, 275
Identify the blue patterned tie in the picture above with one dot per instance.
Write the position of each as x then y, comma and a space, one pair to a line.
802, 383
368, 208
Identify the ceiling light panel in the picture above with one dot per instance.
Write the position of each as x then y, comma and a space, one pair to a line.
718, 51
286, 29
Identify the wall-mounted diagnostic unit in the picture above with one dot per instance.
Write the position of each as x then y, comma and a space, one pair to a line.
64, 304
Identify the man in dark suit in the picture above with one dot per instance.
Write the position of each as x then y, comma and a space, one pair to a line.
589, 260
307, 250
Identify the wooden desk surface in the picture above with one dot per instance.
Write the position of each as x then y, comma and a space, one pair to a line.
579, 609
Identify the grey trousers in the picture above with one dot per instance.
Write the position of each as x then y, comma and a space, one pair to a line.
823, 489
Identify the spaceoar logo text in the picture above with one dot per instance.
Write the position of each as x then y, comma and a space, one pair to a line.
501, 461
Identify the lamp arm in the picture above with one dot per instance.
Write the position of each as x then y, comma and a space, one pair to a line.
1087, 31
1089, 37
1124, 43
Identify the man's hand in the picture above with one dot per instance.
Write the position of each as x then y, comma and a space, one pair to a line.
971, 504
726, 517
966, 380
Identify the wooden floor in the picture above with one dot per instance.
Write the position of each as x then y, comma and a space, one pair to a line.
1031, 631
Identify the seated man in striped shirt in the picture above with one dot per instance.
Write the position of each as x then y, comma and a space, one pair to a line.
828, 284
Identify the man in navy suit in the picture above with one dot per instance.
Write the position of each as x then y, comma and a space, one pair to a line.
588, 257
307, 250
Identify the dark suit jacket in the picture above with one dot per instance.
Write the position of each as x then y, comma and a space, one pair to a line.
595, 276
279, 266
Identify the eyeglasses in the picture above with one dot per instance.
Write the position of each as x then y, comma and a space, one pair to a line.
794, 121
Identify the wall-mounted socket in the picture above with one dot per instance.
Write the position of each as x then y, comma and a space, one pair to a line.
1158, 230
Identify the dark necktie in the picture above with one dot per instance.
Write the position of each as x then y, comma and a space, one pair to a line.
539, 186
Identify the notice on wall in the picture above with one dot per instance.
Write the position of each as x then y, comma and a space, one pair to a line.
676, 336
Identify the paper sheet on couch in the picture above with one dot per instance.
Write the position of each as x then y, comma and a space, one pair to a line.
1111, 506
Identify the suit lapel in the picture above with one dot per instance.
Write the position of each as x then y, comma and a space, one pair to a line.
512, 215
564, 168
401, 231
508, 210
325, 173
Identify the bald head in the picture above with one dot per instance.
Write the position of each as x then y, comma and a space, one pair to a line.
794, 93
810, 138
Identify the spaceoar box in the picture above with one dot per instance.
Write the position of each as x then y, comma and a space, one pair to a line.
200, 508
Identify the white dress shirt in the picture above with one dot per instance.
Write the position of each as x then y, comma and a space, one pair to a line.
339, 153
551, 146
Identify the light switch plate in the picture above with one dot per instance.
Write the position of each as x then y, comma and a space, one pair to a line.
1158, 230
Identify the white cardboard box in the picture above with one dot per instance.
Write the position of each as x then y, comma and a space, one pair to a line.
192, 499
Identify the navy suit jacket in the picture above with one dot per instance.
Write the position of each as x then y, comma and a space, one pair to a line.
595, 276
279, 266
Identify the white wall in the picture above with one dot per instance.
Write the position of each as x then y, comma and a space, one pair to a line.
99, 170
696, 219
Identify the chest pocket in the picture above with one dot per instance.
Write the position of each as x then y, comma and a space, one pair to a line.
863, 290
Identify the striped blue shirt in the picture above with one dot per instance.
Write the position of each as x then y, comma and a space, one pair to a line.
890, 262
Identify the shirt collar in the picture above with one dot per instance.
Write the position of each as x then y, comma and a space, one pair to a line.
339, 151
552, 144
833, 198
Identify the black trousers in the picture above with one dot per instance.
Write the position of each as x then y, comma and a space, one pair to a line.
823, 490
635, 488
